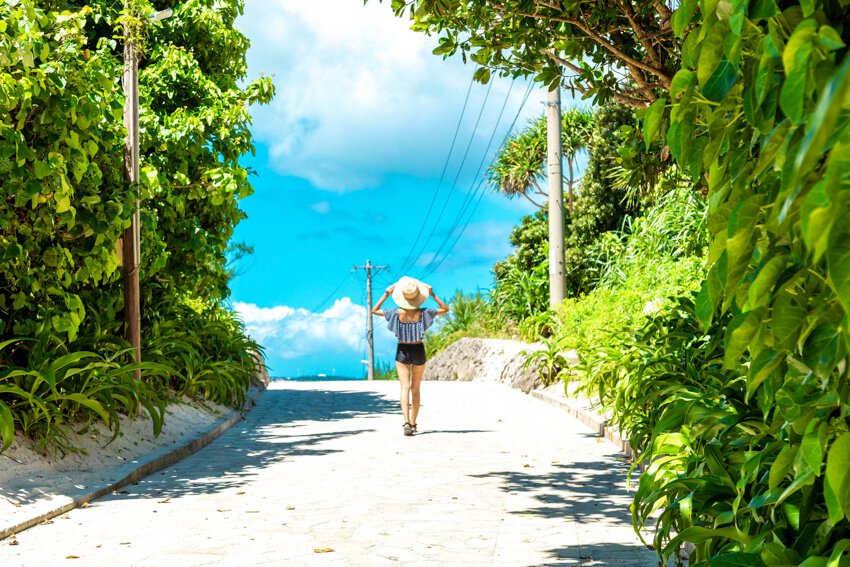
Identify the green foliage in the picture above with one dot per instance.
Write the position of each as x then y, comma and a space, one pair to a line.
469, 316
552, 359
520, 164
386, 370
621, 51
64, 205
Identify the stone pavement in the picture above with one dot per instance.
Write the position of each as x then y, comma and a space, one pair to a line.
494, 477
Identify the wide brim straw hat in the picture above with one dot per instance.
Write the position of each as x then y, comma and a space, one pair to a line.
409, 293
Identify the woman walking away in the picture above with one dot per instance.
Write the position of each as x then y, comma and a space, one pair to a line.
409, 323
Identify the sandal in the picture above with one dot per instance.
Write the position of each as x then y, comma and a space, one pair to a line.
413, 427
408, 430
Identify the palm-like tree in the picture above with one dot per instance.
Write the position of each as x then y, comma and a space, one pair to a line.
521, 161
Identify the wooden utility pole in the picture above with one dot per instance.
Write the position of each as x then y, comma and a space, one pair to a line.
369, 267
557, 272
132, 235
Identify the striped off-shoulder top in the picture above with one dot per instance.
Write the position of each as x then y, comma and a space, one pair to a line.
412, 332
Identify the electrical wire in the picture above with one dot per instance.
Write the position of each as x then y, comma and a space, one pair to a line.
432, 266
460, 168
443, 174
470, 194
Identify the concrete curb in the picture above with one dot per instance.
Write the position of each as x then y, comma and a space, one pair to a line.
141, 471
594, 422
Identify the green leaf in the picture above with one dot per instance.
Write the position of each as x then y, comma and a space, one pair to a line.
711, 52
42, 169
736, 559
838, 258
85, 401
682, 16
795, 58
652, 120
813, 445
7, 426
760, 368
838, 471
763, 9
721, 81
780, 467
739, 334
824, 348
787, 319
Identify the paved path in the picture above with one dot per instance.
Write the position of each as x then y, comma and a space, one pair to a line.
495, 477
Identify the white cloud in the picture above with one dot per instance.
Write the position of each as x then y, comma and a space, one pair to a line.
359, 95
322, 207
289, 333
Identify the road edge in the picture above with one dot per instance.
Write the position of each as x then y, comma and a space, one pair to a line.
141, 471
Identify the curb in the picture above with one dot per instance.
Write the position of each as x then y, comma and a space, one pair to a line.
597, 424
140, 472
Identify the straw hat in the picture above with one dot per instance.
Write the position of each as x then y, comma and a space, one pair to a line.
409, 293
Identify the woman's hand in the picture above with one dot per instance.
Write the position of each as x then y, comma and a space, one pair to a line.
390, 290
430, 291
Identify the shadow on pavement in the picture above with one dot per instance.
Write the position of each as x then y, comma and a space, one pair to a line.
268, 435
589, 493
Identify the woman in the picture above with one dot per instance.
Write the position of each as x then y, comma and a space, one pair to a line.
409, 323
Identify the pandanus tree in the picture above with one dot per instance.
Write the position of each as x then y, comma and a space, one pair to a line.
521, 161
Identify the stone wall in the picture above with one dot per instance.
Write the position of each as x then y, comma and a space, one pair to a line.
486, 360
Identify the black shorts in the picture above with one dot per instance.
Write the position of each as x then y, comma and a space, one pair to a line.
410, 354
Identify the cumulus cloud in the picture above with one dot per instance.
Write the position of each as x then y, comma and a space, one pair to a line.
290, 333
359, 95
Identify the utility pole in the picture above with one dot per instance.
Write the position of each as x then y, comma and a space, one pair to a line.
369, 267
132, 235
557, 275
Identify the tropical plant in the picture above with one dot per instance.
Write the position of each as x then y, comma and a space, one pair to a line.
522, 159
64, 205
386, 370
552, 358
625, 51
468, 316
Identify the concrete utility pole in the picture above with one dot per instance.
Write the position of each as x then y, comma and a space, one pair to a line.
557, 272
369, 267
132, 235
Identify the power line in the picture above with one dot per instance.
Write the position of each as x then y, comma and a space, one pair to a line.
443, 174
432, 267
470, 194
460, 168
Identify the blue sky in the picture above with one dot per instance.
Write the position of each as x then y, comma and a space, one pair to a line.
349, 159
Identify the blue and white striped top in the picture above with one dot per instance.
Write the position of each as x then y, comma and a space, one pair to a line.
409, 332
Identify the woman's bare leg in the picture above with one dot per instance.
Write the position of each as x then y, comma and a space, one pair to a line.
404, 380
416, 381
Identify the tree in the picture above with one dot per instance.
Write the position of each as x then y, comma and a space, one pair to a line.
521, 161
624, 50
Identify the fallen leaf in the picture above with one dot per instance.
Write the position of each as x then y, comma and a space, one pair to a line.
163, 501
239, 493
124, 543
555, 462
252, 511
98, 546
84, 505
526, 466
526, 541
66, 517
73, 557
454, 497
17, 505
13, 542
500, 421
600, 440
290, 507
323, 550
122, 492
228, 510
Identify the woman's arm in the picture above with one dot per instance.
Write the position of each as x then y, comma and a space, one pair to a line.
376, 310
443, 307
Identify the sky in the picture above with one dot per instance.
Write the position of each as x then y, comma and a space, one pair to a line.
371, 150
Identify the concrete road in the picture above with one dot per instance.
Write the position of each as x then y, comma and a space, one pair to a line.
320, 474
